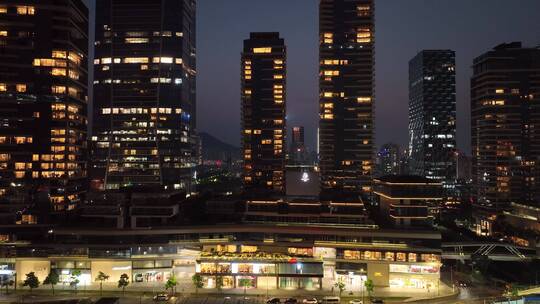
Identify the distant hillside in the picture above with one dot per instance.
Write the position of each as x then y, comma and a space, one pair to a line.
213, 148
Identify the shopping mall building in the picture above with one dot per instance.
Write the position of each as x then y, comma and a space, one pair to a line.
267, 256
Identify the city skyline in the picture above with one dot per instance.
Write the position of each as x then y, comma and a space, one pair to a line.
109, 180
216, 27
448, 21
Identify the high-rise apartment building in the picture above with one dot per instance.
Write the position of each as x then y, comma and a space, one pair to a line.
144, 94
346, 83
505, 123
43, 103
263, 85
432, 115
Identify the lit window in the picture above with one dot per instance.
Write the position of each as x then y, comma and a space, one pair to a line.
363, 10
328, 38
499, 91
328, 116
136, 60
260, 50
162, 60
363, 99
3, 33
331, 73
96, 61
21, 88
58, 89
136, 40
363, 35
107, 60
278, 61
3, 10
25, 10
278, 76
59, 54
58, 72
3, 87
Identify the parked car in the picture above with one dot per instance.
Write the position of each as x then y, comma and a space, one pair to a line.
377, 301
291, 301
161, 297
356, 301
273, 301
331, 300
310, 301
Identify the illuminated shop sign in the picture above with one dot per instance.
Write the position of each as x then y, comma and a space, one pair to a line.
422, 269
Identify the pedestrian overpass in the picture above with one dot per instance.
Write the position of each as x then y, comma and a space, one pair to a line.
494, 251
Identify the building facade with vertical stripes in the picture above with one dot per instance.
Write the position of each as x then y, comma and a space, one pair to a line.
346, 83
505, 127
263, 84
144, 94
43, 105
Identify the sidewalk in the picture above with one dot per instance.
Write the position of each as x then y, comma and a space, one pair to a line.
110, 289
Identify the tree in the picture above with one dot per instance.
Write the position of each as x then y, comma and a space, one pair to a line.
197, 282
74, 279
31, 281
101, 277
340, 285
245, 283
171, 284
52, 279
219, 283
368, 284
123, 282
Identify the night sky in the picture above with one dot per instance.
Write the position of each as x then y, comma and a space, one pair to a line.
403, 27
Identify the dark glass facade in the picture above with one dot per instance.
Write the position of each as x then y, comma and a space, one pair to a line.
432, 115
144, 94
263, 82
43, 103
298, 153
346, 83
505, 117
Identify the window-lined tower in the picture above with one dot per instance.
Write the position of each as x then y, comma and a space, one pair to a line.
144, 94
432, 115
346, 131
505, 123
43, 101
263, 85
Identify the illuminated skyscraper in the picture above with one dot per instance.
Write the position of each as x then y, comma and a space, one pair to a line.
43, 101
263, 112
346, 134
144, 94
432, 115
505, 123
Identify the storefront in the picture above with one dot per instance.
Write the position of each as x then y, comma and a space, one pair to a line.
261, 274
414, 276
73, 273
7, 271
352, 274
152, 271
